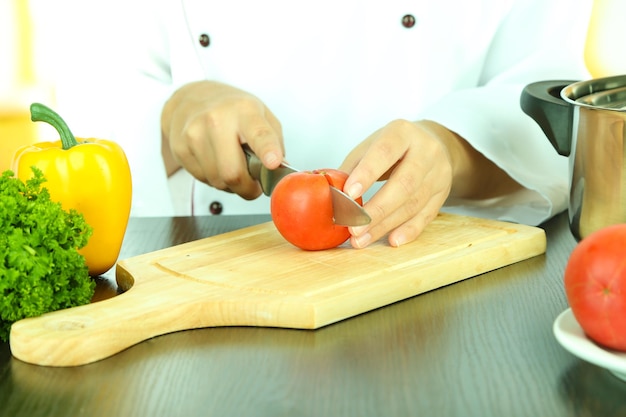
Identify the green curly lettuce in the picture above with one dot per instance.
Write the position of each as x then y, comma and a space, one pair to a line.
40, 267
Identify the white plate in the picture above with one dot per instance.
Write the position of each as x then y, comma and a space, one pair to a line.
571, 336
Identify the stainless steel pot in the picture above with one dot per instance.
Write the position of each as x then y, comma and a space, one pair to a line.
586, 120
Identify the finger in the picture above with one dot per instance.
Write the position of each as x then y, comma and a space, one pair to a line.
189, 151
195, 169
413, 228
185, 158
405, 224
402, 187
263, 132
199, 155
181, 151
405, 196
353, 187
384, 218
231, 171
193, 148
382, 154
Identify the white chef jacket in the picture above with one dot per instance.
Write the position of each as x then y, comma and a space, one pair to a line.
333, 72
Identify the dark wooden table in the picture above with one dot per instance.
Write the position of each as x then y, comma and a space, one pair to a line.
482, 347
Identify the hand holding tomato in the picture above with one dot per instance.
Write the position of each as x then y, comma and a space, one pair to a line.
418, 169
595, 285
424, 164
302, 209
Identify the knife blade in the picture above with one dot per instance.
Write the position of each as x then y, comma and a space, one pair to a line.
346, 211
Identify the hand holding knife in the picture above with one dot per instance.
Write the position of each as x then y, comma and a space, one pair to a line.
347, 212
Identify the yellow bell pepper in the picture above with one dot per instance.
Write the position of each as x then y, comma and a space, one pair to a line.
89, 175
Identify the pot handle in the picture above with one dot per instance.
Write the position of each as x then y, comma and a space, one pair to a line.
542, 101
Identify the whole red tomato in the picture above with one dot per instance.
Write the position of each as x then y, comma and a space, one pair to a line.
595, 285
302, 209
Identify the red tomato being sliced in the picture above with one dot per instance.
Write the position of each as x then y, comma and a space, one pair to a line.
595, 285
302, 209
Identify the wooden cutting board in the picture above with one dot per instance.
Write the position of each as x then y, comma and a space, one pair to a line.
253, 277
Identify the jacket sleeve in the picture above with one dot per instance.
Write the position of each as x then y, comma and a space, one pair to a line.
538, 40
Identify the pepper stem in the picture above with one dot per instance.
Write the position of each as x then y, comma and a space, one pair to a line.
42, 113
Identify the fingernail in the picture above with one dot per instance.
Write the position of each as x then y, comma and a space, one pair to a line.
355, 190
357, 230
270, 159
363, 241
397, 241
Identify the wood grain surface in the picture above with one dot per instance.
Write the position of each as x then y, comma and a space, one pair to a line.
253, 277
482, 347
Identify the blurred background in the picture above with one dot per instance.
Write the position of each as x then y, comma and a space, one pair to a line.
29, 62
27, 72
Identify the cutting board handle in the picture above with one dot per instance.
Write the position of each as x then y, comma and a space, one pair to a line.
85, 334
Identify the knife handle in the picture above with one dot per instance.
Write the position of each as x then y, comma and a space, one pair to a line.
268, 178
253, 162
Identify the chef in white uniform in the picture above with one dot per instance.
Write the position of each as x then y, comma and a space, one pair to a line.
312, 80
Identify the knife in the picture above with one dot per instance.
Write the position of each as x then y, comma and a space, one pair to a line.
346, 211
